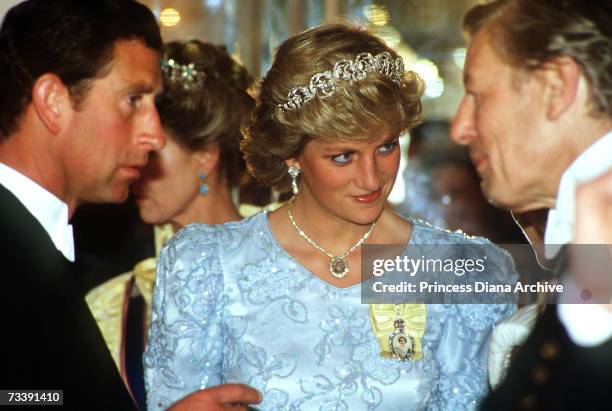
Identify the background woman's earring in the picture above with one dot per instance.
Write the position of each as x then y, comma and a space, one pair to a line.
204, 186
294, 172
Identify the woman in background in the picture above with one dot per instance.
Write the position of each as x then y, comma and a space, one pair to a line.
274, 301
194, 178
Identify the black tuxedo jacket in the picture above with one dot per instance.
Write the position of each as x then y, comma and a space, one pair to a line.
49, 338
550, 372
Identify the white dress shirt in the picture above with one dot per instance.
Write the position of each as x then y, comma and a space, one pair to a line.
587, 324
50, 211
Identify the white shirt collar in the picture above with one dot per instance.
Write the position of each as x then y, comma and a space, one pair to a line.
587, 324
50, 211
592, 163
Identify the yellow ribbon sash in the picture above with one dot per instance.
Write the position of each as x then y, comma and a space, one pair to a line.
107, 301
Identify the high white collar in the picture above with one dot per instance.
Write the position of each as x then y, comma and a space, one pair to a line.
588, 325
592, 163
50, 211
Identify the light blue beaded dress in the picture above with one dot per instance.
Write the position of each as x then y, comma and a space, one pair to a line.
230, 305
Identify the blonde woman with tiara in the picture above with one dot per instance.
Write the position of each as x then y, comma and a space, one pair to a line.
274, 301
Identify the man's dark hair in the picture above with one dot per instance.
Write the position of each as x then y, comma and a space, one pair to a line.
73, 39
528, 33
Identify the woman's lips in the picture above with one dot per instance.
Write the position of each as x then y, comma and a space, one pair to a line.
367, 198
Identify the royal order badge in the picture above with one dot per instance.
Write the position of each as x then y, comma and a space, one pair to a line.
401, 345
399, 329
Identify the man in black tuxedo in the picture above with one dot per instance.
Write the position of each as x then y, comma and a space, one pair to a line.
537, 117
77, 124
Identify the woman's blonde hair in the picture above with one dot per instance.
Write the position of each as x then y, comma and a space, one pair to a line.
358, 111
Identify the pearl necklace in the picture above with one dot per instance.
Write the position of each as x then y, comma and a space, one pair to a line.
338, 264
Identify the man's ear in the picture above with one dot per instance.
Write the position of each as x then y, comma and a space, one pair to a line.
51, 99
562, 78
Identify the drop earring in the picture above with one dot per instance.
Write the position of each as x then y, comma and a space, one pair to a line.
294, 172
204, 186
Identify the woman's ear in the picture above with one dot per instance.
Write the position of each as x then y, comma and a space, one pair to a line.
51, 101
207, 158
292, 162
562, 78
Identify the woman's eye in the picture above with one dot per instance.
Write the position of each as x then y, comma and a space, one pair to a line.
343, 158
388, 147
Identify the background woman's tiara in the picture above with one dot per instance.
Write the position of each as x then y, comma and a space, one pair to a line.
182, 74
324, 84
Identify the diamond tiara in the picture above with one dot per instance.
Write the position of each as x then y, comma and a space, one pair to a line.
324, 84
184, 74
